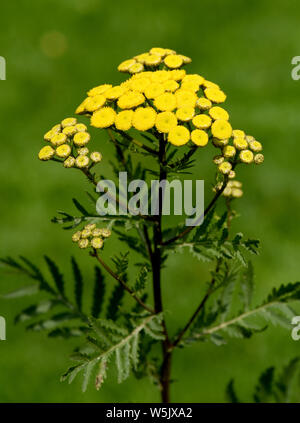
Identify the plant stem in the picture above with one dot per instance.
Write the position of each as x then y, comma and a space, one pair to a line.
117, 278
156, 261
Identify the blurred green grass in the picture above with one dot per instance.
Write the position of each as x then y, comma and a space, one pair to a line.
246, 48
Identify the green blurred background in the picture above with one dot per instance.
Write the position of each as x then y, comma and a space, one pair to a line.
55, 51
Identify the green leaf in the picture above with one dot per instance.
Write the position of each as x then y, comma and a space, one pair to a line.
230, 393
78, 283
57, 276
115, 302
22, 292
264, 388
247, 286
99, 293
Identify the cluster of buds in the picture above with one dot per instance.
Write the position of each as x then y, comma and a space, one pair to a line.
91, 236
238, 148
68, 142
233, 189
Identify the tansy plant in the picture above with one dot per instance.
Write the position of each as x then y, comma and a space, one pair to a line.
162, 112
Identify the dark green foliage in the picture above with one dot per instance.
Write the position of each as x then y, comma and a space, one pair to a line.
99, 293
78, 283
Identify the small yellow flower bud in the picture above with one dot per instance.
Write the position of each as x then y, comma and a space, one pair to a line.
246, 156
96, 157
81, 139
240, 143
229, 151
237, 133
225, 167
68, 122
86, 232
236, 192
49, 135
58, 139
219, 143
259, 158
69, 162
231, 174
218, 159
255, 146
76, 237
106, 232
83, 151
203, 103
46, 153
97, 243
83, 243
81, 127
227, 192
69, 131
82, 161
63, 151
90, 226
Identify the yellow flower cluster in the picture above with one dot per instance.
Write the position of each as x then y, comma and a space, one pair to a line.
68, 143
160, 96
237, 148
233, 189
91, 236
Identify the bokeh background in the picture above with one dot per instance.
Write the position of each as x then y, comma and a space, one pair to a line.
55, 51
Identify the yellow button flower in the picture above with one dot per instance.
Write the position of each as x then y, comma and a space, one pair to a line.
198, 79
130, 100
199, 137
177, 74
229, 151
58, 139
202, 121
154, 90
76, 236
160, 76
83, 151
185, 113
225, 168
123, 120
99, 90
165, 102
203, 103
69, 162
190, 86
124, 66
215, 95
185, 98
114, 92
170, 85
68, 122
81, 127
221, 129
46, 153
246, 156
91, 104
105, 232
173, 61
240, 143
63, 151
136, 68
153, 60
81, 138
144, 118
97, 243
140, 84
158, 50
259, 158
238, 133
96, 157
103, 118
165, 121
179, 135
255, 146
82, 161
217, 112
209, 84
49, 135
185, 59
69, 131
83, 243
